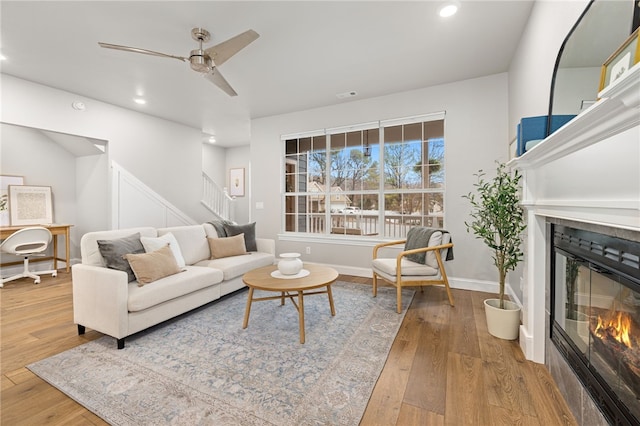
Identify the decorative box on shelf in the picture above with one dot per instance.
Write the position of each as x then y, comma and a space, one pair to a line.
532, 130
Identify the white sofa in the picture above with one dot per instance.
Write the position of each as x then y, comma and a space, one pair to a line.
105, 301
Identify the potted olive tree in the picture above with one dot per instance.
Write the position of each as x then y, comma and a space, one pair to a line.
498, 220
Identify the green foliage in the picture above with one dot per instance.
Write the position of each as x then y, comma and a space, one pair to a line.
498, 219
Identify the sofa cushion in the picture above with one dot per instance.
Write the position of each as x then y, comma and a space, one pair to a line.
249, 231
235, 266
218, 225
153, 244
114, 251
192, 279
192, 240
89, 246
150, 267
227, 246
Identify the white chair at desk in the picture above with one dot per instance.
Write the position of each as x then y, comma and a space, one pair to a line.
27, 242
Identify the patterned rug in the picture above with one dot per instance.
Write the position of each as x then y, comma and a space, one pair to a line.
204, 369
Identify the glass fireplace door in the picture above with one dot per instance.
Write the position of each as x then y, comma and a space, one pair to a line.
599, 314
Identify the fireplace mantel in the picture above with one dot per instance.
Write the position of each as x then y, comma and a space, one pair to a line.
617, 110
588, 171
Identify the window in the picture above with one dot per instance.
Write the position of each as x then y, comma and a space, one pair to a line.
373, 179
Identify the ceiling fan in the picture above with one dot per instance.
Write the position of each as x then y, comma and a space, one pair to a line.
202, 60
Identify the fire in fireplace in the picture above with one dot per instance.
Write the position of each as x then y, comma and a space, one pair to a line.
595, 314
616, 343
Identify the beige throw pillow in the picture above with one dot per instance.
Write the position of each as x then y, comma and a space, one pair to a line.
150, 267
225, 247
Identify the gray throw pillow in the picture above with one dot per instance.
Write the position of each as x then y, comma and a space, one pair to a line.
219, 227
249, 231
113, 252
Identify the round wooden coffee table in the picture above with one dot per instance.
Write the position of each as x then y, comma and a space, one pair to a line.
261, 279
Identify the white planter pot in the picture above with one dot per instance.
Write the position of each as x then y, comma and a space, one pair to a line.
502, 323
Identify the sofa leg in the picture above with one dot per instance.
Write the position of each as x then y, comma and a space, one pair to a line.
80, 329
121, 343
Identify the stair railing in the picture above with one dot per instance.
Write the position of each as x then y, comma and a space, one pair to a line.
216, 199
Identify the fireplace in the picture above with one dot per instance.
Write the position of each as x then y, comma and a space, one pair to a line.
595, 316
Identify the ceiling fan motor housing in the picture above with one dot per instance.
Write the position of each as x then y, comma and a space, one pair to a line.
200, 61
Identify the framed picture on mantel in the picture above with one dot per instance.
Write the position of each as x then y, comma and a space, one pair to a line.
621, 61
236, 182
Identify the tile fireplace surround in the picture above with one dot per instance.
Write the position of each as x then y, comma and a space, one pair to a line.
586, 174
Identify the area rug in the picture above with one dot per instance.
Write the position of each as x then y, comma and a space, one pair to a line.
202, 368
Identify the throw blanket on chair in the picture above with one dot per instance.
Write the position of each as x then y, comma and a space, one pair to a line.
418, 237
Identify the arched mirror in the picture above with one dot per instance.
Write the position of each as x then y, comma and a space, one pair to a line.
600, 30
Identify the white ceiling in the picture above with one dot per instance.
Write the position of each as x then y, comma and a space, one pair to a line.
306, 54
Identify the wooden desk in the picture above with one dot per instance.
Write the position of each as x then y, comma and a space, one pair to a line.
56, 229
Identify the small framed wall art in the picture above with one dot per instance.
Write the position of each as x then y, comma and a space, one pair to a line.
5, 181
621, 61
236, 182
30, 205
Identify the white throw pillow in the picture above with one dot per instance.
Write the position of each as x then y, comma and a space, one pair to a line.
153, 244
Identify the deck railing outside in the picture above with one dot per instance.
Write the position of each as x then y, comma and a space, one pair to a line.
395, 225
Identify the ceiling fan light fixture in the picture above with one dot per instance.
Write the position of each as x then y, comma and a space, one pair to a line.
450, 8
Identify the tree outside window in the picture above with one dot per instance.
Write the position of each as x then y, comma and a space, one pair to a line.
369, 181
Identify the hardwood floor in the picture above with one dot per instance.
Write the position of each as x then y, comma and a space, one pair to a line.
443, 369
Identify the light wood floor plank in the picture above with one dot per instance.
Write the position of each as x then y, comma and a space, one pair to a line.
411, 415
466, 397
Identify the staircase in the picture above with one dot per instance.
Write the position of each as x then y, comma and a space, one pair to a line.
216, 199
135, 204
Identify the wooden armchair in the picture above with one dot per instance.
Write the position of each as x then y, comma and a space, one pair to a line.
402, 272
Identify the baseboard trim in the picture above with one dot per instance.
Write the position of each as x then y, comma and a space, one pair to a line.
458, 283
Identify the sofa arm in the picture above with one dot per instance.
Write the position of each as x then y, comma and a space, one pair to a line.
100, 297
266, 245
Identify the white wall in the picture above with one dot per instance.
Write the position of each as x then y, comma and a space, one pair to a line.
162, 154
20, 145
213, 163
476, 135
240, 157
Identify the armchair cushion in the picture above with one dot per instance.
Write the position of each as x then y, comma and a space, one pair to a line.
409, 268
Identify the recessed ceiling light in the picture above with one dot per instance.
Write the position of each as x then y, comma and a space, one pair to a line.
349, 94
449, 9
139, 101
77, 105
212, 139
2, 57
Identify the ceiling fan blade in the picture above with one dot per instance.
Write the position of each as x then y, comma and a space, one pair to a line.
223, 51
216, 78
138, 50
